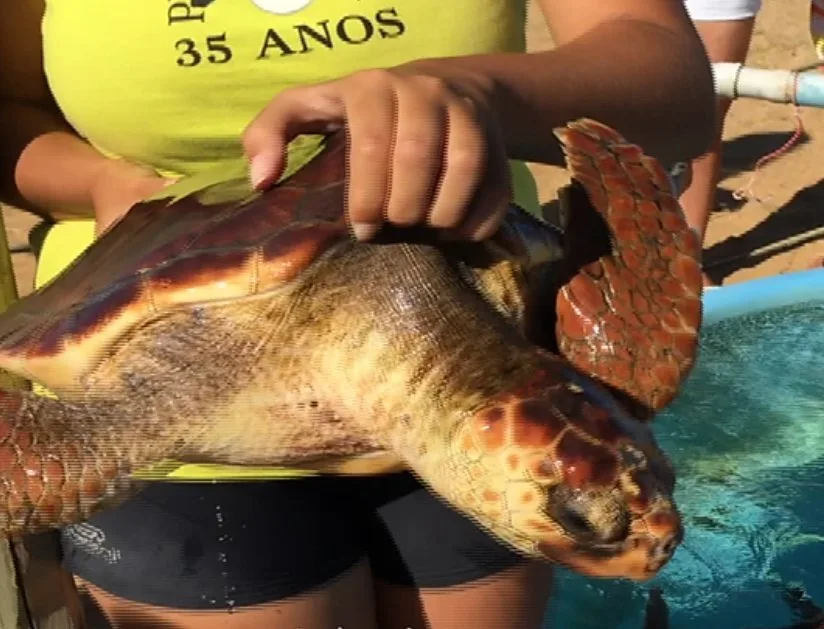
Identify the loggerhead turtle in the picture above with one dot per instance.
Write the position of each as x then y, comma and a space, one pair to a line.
515, 377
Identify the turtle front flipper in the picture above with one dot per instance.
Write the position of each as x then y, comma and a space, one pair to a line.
54, 470
630, 312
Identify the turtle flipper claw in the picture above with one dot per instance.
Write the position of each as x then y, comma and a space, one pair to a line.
630, 313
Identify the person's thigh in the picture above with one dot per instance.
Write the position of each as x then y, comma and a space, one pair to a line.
345, 601
233, 555
726, 40
515, 598
725, 27
436, 569
722, 10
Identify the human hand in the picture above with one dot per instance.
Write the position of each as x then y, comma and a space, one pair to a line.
118, 186
423, 148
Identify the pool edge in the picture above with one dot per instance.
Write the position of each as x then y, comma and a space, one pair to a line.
766, 293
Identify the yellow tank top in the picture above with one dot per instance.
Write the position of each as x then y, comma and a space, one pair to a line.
171, 84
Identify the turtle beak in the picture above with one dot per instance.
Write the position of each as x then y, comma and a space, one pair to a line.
639, 557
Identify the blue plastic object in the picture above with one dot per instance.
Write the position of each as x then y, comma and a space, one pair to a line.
767, 293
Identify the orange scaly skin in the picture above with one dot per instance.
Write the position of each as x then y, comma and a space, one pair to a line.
631, 318
46, 480
579, 481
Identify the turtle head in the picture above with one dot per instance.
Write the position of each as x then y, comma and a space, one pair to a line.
560, 471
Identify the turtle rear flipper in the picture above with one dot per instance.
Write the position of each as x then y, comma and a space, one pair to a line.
630, 312
53, 471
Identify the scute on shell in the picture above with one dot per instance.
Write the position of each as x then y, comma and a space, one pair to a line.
164, 255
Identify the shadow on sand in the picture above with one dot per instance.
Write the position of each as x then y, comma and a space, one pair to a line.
741, 155
796, 223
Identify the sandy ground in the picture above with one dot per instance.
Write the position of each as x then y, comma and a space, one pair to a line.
745, 239
773, 234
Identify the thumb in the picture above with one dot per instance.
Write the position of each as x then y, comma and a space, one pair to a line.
314, 109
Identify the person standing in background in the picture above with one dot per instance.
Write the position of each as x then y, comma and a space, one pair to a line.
726, 27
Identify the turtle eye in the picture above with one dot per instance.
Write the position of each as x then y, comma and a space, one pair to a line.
589, 518
577, 524
569, 509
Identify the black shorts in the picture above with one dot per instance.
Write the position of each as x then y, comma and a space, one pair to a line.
206, 546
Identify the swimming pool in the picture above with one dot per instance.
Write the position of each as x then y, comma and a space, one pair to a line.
747, 438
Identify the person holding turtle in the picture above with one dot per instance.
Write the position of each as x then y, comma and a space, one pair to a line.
106, 103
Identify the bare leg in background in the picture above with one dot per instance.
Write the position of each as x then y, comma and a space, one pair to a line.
514, 599
724, 41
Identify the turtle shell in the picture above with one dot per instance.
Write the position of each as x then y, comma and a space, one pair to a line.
164, 255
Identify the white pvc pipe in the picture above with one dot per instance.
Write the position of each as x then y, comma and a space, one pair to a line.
734, 80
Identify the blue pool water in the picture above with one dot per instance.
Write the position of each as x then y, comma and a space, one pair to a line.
747, 439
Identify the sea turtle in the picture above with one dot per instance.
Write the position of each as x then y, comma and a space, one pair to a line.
261, 333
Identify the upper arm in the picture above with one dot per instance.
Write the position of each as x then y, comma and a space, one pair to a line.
569, 20
22, 77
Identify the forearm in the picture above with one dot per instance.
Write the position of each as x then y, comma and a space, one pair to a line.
654, 86
46, 168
